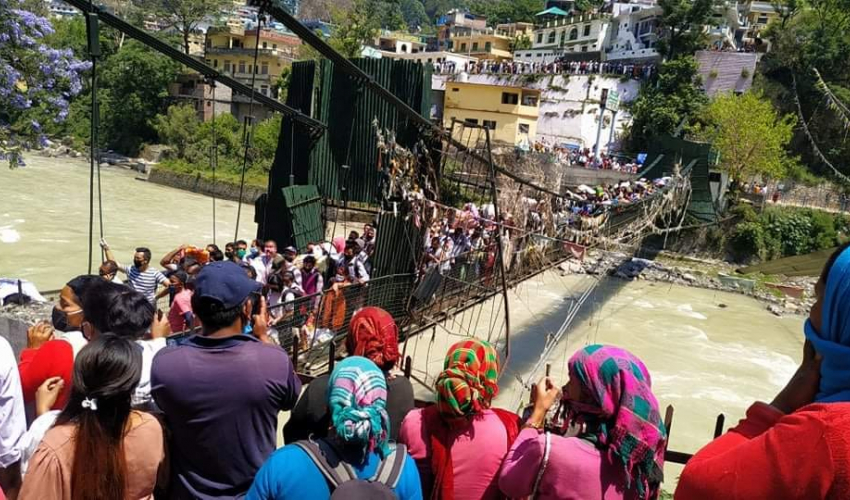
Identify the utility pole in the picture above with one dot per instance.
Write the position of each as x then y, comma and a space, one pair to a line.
602, 99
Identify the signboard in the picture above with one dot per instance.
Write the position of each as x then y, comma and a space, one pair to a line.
613, 101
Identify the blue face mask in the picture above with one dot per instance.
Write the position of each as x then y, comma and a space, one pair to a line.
248, 330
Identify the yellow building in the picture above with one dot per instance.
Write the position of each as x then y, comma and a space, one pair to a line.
231, 50
759, 15
488, 45
509, 112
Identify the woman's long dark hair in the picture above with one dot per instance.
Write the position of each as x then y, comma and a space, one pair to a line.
106, 371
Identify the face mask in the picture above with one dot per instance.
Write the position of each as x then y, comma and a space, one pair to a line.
59, 319
241, 253
289, 258
228, 255
254, 251
138, 263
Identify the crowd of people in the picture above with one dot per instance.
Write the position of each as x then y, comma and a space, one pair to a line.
99, 407
584, 157
557, 67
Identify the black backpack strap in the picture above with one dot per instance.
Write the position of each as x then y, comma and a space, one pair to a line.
323, 457
390, 469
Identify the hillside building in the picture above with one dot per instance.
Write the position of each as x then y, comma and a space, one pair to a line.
510, 112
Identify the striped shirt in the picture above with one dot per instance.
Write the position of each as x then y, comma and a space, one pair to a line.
145, 282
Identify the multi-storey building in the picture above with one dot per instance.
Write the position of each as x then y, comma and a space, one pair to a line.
577, 37
231, 50
457, 23
634, 32
510, 112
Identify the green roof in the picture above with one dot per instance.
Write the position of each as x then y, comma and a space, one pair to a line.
552, 11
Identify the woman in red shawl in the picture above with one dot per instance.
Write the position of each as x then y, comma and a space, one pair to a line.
372, 334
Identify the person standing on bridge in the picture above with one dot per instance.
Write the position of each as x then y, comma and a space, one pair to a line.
140, 276
798, 446
459, 442
619, 450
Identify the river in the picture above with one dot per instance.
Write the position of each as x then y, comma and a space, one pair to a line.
44, 226
708, 352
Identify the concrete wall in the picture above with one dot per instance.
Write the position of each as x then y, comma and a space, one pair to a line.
196, 184
569, 105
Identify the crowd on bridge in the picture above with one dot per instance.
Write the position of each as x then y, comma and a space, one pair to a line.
100, 405
584, 157
557, 67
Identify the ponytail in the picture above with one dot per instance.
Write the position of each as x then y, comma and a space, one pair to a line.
106, 372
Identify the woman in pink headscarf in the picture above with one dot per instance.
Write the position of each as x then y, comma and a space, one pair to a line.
339, 244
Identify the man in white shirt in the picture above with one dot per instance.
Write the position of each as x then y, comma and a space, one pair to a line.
264, 263
13, 423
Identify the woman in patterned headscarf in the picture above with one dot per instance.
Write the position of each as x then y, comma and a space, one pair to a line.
619, 450
359, 440
372, 334
459, 442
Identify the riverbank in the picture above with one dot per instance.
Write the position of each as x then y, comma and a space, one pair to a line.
781, 295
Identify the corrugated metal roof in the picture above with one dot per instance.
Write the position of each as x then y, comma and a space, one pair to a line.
724, 71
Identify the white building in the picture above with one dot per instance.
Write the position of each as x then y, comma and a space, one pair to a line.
569, 35
727, 26
634, 32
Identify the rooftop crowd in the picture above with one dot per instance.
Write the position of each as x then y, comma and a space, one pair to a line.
557, 67
101, 405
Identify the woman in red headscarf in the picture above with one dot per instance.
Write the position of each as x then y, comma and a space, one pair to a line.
372, 334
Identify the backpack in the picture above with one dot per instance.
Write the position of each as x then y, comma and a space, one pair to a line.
342, 479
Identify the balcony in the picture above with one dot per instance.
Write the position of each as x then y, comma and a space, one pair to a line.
241, 51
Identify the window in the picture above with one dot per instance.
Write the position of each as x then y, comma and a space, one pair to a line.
264, 89
584, 48
463, 47
540, 38
490, 124
488, 46
241, 66
215, 63
586, 30
573, 33
471, 121
227, 66
475, 46
523, 128
256, 69
209, 104
563, 38
510, 98
551, 38
455, 89
274, 46
762, 19
265, 45
264, 69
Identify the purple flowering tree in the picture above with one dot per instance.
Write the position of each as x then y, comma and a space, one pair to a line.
36, 81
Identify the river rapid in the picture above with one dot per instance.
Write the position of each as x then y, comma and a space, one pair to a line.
708, 352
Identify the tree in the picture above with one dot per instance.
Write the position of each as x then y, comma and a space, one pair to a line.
414, 13
178, 128
786, 9
134, 89
674, 99
749, 134
354, 28
37, 81
185, 15
507, 11
682, 24
521, 42
282, 83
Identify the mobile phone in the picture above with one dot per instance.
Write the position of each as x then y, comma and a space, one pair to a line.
255, 299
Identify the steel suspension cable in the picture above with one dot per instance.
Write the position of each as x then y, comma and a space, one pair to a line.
214, 156
246, 135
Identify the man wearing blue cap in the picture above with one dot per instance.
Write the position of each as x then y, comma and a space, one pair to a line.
221, 391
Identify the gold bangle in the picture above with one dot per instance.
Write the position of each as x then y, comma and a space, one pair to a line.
537, 427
